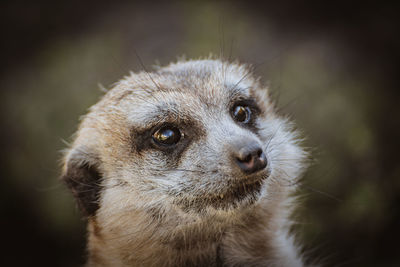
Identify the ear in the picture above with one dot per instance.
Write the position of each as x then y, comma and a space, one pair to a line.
82, 176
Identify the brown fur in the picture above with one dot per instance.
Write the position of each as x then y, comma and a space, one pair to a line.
188, 205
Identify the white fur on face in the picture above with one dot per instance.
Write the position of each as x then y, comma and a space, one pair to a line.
202, 92
197, 181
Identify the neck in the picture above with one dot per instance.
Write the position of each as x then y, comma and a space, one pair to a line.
141, 239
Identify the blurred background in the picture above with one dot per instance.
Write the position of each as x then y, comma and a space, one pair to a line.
331, 67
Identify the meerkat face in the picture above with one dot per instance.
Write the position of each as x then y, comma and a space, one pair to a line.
195, 136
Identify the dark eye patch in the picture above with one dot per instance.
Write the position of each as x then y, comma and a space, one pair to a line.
168, 142
245, 111
167, 135
241, 113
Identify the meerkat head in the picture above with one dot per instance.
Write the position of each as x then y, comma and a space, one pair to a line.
197, 137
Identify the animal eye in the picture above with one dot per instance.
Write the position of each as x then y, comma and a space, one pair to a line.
241, 114
167, 136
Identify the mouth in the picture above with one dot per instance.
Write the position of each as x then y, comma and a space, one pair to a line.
241, 192
236, 194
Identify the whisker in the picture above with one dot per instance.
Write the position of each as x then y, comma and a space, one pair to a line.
95, 184
272, 137
181, 170
322, 193
289, 103
241, 79
118, 63
144, 68
249, 72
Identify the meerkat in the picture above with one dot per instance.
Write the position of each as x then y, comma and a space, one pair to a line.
188, 165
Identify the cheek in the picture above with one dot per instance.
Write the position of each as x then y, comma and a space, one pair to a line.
199, 158
142, 166
154, 161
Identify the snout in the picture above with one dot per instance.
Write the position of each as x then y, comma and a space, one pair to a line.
249, 157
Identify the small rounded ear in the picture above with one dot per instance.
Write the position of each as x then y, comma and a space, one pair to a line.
81, 175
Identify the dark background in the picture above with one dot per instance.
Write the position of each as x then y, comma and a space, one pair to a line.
331, 66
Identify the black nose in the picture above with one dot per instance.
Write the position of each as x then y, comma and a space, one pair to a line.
251, 158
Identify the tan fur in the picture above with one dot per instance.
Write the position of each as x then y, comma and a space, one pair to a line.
148, 213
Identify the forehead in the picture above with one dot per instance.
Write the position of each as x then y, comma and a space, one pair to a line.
191, 83
193, 87
208, 78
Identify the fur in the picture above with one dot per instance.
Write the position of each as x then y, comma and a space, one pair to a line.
190, 205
